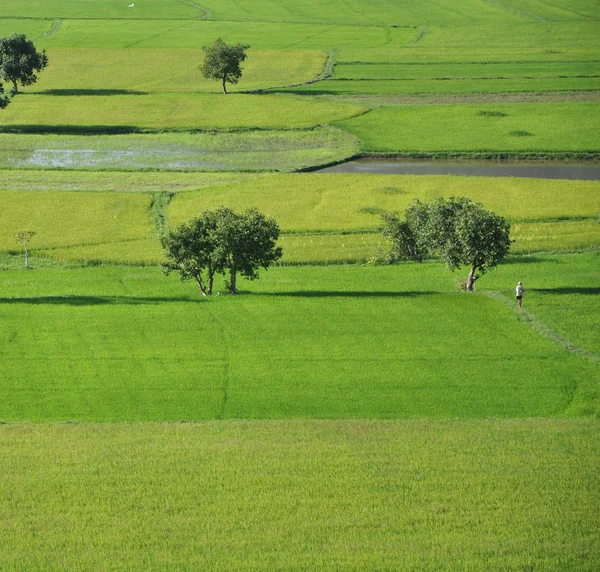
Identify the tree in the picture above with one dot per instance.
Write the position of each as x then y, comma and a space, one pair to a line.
24, 237
222, 240
222, 62
4, 101
457, 230
19, 60
191, 251
246, 242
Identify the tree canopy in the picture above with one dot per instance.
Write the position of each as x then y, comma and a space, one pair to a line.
219, 241
222, 62
459, 231
19, 60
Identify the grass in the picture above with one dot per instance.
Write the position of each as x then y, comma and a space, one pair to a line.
87, 113
327, 495
247, 150
125, 344
89, 71
555, 127
437, 86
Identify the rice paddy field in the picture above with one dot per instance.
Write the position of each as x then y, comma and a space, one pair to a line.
340, 413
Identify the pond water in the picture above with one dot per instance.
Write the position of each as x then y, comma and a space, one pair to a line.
546, 170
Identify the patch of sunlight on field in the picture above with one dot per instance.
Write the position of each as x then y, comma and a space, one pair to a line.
193, 34
333, 201
531, 127
170, 111
62, 219
85, 71
386, 340
334, 495
284, 150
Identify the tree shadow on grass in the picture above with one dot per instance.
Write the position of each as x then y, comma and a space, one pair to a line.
92, 92
95, 300
590, 291
524, 259
346, 294
71, 129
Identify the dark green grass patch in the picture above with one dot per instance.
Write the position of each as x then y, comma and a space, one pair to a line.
116, 344
331, 495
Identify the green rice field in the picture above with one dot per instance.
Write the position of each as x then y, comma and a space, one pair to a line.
340, 413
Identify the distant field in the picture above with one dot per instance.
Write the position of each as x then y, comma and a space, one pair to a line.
115, 344
504, 127
169, 111
85, 71
247, 150
333, 495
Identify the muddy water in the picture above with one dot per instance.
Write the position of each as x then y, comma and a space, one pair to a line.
547, 170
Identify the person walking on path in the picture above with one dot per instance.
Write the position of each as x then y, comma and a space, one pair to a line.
519, 292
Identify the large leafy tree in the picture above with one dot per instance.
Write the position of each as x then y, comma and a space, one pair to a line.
222, 62
219, 241
459, 231
19, 61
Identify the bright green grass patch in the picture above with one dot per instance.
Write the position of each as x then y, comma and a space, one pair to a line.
550, 127
33, 29
100, 71
415, 13
334, 495
407, 71
170, 111
247, 150
161, 9
447, 86
195, 34
73, 218
562, 291
334, 202
110, 344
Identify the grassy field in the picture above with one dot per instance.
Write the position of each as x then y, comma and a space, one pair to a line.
111, 344
469, 128
105, 113
245, 150
339, 414
294, 495
84, 71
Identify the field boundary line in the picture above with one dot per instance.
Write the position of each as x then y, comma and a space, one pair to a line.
539, 327
227, 377
422, 33
206, 13
55, 27
522, 13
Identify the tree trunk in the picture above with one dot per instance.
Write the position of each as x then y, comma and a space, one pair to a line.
201, 286
210, 284
224, 88
26, 255
15, 88
233, 281
471, 279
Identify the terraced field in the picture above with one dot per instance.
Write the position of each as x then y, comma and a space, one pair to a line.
340, 413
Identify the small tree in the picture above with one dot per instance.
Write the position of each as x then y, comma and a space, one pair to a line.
19, 60
218, 241
4, 101
24, 237
191, 251
222, 62
459, 231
